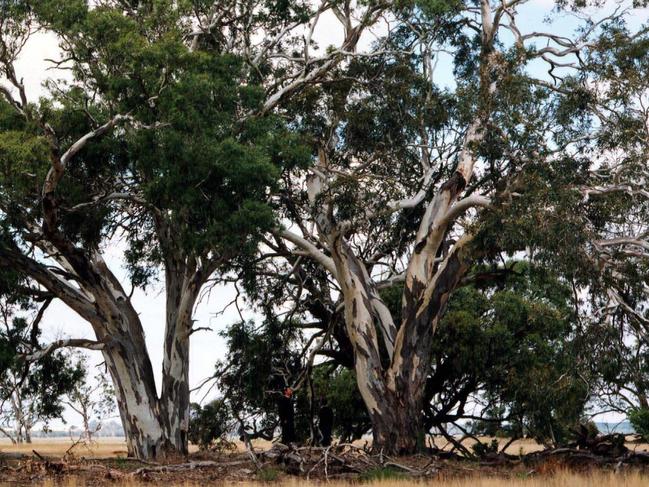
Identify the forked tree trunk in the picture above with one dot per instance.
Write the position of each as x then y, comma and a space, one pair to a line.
137, 402
154, 427
392, 364
152, 430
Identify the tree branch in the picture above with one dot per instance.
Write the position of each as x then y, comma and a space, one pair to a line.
464, 204
311, 249
70, 342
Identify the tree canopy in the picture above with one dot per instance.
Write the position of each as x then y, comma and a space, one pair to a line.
444, 206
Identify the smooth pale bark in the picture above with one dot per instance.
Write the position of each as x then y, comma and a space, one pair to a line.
159, 427
183, 283
23, 423
132, 376
154, 427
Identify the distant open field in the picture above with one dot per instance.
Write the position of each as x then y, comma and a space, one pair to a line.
103, 447
116, 447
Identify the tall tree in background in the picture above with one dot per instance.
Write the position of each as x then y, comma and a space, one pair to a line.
92, 398
33, 385
164, 137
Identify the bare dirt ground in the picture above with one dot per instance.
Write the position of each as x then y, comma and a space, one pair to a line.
52, 462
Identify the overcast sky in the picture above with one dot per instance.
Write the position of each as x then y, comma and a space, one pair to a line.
207, 347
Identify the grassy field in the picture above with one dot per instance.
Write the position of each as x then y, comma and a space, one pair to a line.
474, 476
57, 447
116, 447
560, 479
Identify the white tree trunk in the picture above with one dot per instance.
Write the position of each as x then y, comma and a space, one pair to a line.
182, 291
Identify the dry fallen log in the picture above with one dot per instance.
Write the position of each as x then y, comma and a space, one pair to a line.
186, 466
338, 459
4, 456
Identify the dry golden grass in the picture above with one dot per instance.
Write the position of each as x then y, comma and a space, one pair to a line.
57, 447
102, 447
525, 445
519, 446
116, 447
552, 477
560, 479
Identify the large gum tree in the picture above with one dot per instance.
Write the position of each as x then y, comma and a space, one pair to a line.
421, 174
163, 135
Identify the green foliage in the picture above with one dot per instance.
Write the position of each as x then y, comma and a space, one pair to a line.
483, 450
639, 418
261, 358
268, 474
209, 425
515, 341
558, 236
198, 152
211, 172
262, 361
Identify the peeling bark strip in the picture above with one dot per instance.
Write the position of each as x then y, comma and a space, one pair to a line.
183, 283
137, 401
360, 325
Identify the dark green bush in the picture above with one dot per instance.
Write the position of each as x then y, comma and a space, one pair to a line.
639, 418
209, 425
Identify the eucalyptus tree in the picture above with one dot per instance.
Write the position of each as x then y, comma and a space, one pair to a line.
31, 393
415, 182
618, 199
163, 135
92, 398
